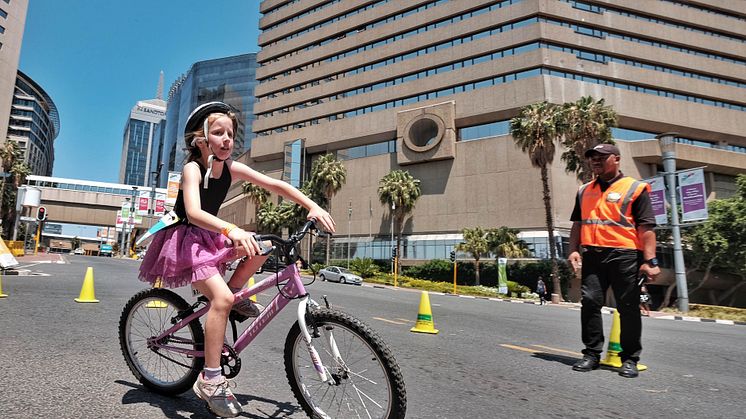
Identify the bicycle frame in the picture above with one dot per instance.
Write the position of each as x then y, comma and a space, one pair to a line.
292, 289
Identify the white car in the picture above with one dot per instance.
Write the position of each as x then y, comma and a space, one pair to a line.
79, 251
341, 275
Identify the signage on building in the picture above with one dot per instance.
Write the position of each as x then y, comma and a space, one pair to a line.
174, 178
50, 228
145, 109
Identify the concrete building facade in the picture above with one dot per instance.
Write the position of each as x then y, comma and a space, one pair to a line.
12, 24
34, 124
430, 86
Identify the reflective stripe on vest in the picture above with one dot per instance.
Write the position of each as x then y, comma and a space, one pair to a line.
607, 223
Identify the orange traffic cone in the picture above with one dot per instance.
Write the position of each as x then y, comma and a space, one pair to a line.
157, 304
1, 286
612, 351
87, 293
424, 316
251, 284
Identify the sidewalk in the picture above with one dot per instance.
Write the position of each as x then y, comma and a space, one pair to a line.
42, 258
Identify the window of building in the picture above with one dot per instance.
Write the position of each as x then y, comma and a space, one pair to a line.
292, 172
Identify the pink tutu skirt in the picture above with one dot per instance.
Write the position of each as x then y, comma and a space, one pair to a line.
185, 254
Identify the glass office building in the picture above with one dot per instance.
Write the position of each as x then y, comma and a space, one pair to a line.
34, 124
141, 142
230, 80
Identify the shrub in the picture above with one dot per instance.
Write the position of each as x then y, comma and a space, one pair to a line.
364, 267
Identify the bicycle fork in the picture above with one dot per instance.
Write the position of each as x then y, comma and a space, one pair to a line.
324, 375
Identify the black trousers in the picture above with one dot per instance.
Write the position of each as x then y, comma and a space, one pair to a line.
618, 268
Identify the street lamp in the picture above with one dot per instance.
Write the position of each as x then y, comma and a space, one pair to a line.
349, 222
668, 155
131, 216
393, 207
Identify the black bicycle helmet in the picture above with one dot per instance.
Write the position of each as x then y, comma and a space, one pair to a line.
201, 112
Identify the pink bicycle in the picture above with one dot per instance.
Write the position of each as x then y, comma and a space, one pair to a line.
337, 366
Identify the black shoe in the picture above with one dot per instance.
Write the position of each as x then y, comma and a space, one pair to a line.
588, 363
629, 369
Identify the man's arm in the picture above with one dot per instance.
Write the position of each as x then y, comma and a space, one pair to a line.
647, 237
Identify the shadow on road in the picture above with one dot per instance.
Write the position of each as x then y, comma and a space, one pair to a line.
567, 360
188, 405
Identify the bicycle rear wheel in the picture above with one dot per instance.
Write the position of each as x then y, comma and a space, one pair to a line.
367, 380
148, 314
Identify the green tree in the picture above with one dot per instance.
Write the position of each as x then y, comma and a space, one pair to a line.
75, 242
328, 175
535, 131
257, 195
476, 243
270, 218
400, 190
584, 124
504, 242
11, 159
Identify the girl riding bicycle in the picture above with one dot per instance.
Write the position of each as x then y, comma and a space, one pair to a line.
194, 250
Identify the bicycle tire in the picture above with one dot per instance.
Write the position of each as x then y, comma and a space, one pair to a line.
147, 314
352, 376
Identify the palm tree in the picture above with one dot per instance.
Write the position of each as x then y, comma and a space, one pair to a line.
257, 195
535, 131
398, 189
11, 160
475, 242
586, 123
504, 242
269, 218
328, 175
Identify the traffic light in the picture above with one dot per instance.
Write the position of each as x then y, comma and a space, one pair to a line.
393, 253
453, 255
41, 214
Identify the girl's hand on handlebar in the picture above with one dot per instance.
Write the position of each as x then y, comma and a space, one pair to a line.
323, 219
246, 240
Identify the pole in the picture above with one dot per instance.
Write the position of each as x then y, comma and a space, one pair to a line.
668, 155
36, 239
349, 222
395, 259
454, 277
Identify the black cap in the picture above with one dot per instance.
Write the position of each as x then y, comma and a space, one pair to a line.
602, 149
194, 121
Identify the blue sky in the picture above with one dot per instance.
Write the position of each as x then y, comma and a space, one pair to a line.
96, 59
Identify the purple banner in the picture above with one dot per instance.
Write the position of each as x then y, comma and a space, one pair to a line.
692, 195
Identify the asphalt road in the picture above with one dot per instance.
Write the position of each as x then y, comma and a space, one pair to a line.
61, 359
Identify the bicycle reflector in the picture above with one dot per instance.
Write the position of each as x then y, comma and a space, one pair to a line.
41, 214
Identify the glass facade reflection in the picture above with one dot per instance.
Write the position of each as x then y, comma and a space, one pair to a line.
34, 124
231, 80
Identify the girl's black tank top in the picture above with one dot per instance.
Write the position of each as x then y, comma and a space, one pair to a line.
210, 198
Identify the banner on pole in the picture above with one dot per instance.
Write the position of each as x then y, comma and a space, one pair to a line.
143, 202
502, 275
174, 178
658, 199
692, 195
160, 204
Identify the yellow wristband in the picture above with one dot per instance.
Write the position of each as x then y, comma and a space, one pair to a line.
227, 229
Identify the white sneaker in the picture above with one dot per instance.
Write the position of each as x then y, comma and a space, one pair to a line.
218, 395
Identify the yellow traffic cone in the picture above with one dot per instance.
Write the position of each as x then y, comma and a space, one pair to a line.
612, 350
87, 294
1, 287
424, 316
157, 304
251, 284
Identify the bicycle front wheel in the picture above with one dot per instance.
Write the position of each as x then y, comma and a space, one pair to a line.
147, 315
365, 379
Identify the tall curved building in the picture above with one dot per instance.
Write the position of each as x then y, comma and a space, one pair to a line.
34, 124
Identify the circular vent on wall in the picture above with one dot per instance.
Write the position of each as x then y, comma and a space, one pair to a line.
424, 132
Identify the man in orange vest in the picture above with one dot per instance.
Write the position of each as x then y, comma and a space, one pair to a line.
613, 221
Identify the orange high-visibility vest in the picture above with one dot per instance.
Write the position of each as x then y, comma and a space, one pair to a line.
606, 217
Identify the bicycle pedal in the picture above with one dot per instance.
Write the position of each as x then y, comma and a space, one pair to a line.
237, 317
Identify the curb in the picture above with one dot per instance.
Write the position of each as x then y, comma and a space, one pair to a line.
576, 306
